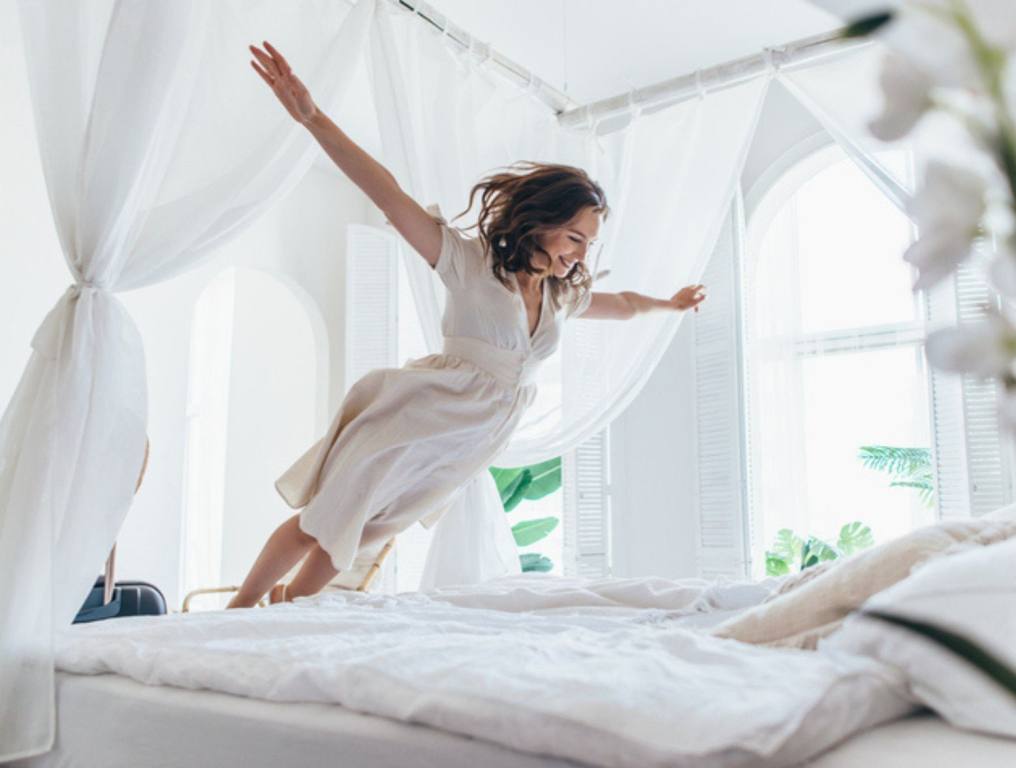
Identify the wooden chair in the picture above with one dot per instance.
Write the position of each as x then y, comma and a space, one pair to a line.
110, 568
363, 586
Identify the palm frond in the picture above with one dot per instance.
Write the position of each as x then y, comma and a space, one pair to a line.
895, 460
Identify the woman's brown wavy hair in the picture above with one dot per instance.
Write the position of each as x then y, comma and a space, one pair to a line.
528, 199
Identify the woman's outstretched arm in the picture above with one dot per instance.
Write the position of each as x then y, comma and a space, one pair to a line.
416, 225
627, 304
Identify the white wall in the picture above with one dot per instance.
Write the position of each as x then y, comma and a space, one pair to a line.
654, 524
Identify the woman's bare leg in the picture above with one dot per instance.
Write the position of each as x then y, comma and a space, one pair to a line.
316, 571
281, 552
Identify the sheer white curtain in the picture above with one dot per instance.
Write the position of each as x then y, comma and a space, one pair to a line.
157, 143
772, 311
841, 91
446, 120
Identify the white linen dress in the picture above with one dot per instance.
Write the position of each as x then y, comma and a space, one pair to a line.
406, 440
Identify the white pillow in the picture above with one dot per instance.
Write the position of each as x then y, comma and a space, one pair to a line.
971, 593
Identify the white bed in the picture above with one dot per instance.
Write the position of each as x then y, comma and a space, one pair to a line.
529, 671
110, 721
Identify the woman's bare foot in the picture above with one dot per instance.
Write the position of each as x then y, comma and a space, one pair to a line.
277, 594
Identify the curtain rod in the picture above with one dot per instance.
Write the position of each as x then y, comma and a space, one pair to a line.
678, 89
553, 98
665, 93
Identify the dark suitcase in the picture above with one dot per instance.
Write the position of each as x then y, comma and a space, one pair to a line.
110, 598
128, 598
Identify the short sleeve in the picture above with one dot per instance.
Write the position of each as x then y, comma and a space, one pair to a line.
580, 303
453, 258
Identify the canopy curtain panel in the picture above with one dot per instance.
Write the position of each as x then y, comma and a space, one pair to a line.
446, 120
150, 163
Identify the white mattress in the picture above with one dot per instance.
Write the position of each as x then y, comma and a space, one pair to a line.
921, 740
108, 721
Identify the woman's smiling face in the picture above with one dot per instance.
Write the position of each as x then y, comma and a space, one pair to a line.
564, 246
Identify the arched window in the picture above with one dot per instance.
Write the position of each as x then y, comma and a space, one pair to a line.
838, 427
256, 396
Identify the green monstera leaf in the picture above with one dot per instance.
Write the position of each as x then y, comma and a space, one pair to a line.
533, 562
816, 551
776, 565
854, 537
788, 545
531, 531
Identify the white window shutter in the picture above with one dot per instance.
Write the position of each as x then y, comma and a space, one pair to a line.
722, 539
371, 339
372, 302
585, 470
585, 481
972, 458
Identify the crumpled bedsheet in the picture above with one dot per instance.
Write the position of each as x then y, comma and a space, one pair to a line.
610, 672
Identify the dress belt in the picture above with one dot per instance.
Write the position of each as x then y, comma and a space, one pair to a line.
512, 367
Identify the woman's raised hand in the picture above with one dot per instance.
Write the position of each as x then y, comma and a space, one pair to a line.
274, 70
688, 297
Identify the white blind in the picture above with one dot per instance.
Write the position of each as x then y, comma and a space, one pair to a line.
371, 301
585, 479
371, 339
971, 455
585, 470
722, 540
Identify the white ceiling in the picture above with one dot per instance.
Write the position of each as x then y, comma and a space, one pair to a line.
592, 49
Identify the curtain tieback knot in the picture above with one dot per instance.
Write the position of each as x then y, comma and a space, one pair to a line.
47, 338
82, 285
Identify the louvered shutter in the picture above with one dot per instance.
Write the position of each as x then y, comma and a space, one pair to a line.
371, 301
585, 470
371, 340
722, 540
971, 455
585, 479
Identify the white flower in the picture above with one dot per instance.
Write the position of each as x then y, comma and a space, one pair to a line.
1003, 271
985, 349
947, 210
933, 44
930, 34
907, 96
928, 49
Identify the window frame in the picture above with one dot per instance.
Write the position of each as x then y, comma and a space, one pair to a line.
792, 170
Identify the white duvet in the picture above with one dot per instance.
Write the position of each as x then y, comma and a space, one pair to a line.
609, 673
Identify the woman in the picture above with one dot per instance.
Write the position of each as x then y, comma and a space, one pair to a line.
406, 440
